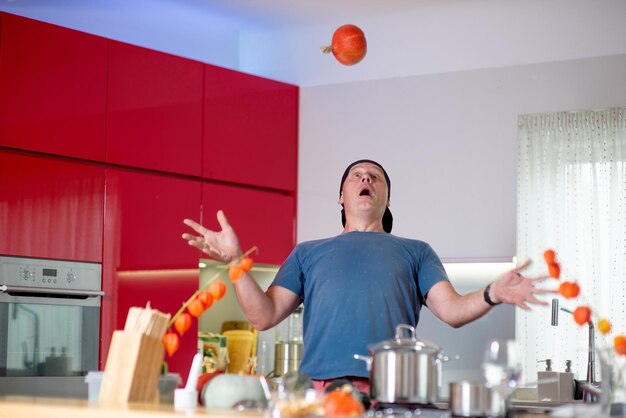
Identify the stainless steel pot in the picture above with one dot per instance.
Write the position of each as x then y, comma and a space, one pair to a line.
404, 370
473, 399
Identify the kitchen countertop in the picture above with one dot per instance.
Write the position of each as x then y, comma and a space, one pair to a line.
37, 407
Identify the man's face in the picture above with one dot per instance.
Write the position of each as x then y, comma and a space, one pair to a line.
365, 189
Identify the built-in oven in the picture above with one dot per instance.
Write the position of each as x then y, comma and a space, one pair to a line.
49, 325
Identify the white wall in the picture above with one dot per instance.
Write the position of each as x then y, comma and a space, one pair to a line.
448, 142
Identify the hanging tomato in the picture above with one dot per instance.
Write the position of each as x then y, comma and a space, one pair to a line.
183, 323
582, 315
196, 308
348, 45
217, 289
206, 298
569, 290
201, 300
172, 342
619, 344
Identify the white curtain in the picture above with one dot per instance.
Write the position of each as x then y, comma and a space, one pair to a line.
572, 198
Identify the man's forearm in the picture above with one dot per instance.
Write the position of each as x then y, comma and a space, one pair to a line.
467, 308
255, 303
454, 309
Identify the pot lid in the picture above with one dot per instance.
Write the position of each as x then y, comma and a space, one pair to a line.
400, 342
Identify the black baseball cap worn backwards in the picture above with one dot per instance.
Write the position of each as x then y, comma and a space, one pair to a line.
387, 217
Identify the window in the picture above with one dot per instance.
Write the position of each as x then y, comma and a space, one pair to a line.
572, 198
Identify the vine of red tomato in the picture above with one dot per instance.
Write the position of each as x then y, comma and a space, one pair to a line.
201, 300
582, 314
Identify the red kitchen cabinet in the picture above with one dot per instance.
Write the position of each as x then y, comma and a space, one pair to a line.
145, 258
154, 115
250, 129
266, 219
52, 88
50, 208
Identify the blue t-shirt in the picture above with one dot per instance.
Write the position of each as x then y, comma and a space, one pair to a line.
356, 287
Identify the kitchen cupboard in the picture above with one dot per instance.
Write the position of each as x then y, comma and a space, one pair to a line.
154, 116
263, 218
250, 129
52, 88
50, 208
80, 112
145, 259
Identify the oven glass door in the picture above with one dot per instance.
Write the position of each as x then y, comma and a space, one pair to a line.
43, 339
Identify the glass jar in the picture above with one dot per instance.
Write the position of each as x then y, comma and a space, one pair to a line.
290, 329
289, 347
613, 385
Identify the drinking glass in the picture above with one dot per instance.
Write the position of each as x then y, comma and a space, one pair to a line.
501, 364
502, 369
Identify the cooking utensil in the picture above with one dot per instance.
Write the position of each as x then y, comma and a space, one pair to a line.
473, 399
287, 357
404, 370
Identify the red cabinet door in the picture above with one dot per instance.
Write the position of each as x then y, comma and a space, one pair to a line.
154, 115
145, 258
52, 88
250, 129
50, 208
263, 218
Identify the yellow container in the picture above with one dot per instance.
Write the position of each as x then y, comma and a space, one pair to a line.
241, 350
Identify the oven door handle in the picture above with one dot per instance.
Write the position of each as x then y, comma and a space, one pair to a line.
51, 291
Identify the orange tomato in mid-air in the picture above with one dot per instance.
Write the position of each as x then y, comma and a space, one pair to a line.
348, 44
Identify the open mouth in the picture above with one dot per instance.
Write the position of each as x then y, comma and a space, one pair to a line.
365, 192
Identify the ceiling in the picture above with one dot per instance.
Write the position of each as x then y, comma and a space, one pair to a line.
287, 13
238, 14
281, 39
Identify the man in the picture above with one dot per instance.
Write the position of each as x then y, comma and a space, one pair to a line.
357, 286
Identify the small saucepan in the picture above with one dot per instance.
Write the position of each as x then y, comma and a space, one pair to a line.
473, 399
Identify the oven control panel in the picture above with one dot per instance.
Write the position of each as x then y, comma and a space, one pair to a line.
47, 273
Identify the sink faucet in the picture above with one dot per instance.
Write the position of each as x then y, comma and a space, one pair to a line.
588, 396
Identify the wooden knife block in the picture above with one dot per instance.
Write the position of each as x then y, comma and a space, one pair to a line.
132, 369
